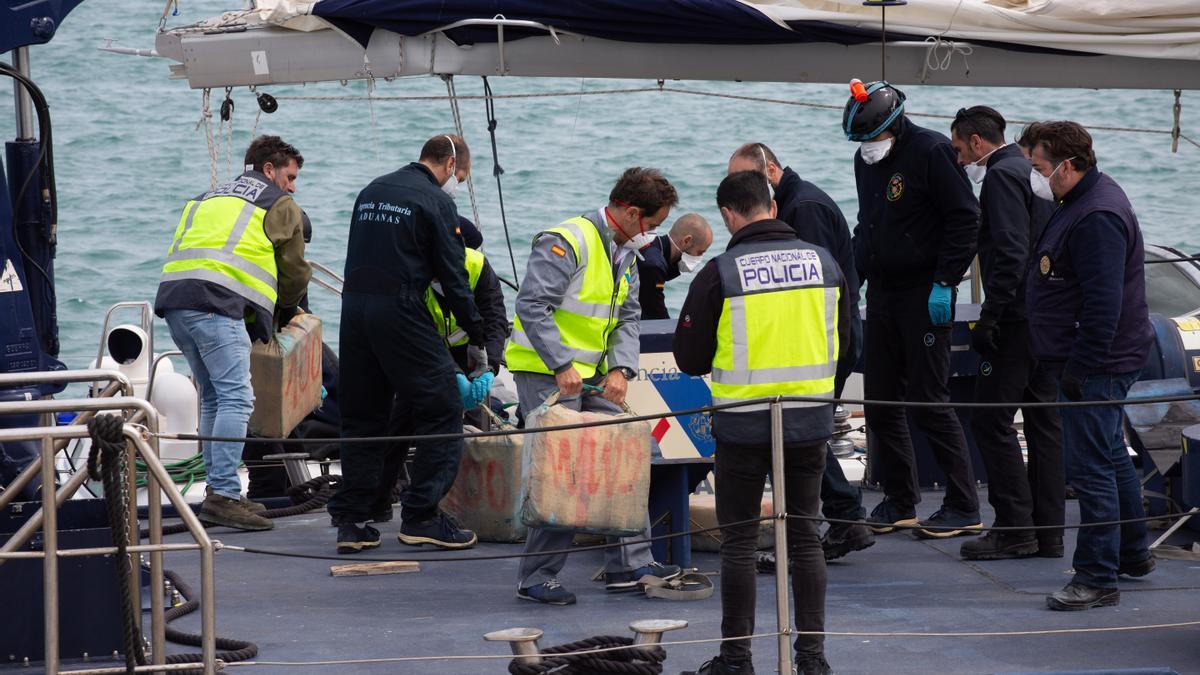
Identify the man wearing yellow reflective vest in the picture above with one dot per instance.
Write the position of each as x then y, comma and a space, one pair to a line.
768, 317
235, 262
577, 322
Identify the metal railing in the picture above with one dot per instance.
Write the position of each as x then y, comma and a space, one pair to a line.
143, 443
334, 277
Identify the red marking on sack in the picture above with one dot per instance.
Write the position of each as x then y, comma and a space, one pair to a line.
497, 488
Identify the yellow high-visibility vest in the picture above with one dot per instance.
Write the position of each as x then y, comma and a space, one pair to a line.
446, 324
220, 240
588, 314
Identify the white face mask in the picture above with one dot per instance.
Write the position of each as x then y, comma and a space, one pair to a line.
640, 241
1041, 184
451, 184
874, 151
687, 261
978, 169
766, 165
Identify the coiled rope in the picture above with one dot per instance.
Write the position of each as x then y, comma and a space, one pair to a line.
564, 659
106, 462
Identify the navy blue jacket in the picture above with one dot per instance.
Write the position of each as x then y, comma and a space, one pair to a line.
1011, 221
918, 218
402, 236
1086, 293
817, 219
655, 270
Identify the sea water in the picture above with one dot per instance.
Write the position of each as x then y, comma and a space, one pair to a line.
128, 153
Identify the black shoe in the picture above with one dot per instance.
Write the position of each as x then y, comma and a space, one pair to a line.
843, 538
353, 539
719, 666
548, 593
1076, 596
1137, 569
628, 581
1050, 547
946, 523
1000, 546
764, 562
440, 530
813, 665
887, 515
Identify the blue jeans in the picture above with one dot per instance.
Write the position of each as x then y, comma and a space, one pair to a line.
217, 349
1099, 468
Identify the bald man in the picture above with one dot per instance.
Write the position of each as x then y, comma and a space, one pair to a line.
668, 256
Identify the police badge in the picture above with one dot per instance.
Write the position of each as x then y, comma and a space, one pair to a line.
1044, 266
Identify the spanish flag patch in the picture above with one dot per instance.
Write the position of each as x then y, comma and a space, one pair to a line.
558, 250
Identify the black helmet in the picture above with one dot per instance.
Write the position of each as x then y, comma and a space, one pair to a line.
864, 120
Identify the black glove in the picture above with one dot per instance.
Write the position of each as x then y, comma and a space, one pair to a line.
984, 336
1072, 385
284, 316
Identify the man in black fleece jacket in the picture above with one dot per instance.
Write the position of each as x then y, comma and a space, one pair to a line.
918, 220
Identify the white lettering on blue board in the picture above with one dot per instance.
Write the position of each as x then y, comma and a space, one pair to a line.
791, 268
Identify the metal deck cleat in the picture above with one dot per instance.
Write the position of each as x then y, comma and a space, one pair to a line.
648, 632
523, 642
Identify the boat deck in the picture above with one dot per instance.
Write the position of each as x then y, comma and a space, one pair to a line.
295, 611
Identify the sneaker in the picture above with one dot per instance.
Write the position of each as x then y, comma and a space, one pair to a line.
251, 506
1076, 596
627, 581
843, 538
887, 515
719, 666
1000, 546
353, 539
440, 530
813, 665
219, 510
548, 593
946, 523
1137, 569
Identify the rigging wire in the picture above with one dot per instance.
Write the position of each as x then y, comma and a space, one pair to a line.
497, 171
458, 129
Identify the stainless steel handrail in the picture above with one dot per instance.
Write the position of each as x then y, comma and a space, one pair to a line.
337, 278
46, 517
157, 476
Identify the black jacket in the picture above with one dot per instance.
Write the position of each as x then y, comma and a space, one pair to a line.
817, 219
918, 218
695, 342
1011, 220
655, 270
402, 236
489, 299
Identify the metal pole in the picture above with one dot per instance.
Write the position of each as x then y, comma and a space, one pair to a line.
208, 596
779, 504
23, 103
976, 282
158, 624
50, 563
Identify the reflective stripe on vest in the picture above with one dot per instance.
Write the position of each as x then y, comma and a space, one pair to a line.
777, 335
587, 315
446, 324
220, 240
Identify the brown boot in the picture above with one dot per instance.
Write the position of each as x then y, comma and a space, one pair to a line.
219, 510
251, 506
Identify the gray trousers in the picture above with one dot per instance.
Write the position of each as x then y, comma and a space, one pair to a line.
532, 390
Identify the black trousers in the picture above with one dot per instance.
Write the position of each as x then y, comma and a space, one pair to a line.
741, 473
840, 499
907, 358
1012, 375
396, 378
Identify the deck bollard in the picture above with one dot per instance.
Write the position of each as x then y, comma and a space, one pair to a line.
648, 632
523, 642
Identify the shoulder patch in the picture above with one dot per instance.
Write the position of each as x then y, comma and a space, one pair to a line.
558, 250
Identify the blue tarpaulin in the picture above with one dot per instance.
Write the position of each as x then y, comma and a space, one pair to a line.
662, 21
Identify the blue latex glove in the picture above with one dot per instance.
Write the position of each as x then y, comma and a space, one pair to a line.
480, 387
464, 391
939, 304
